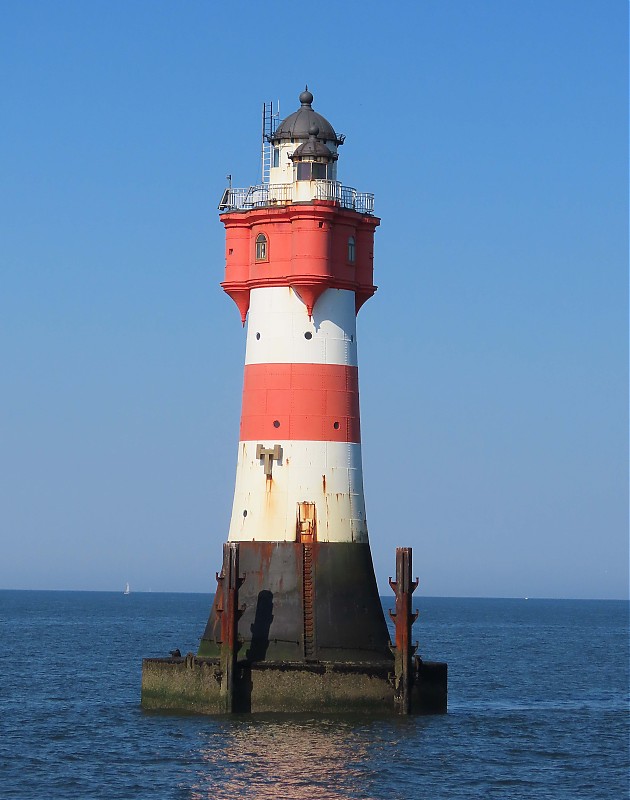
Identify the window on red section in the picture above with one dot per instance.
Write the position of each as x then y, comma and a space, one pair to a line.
351, 250
261, 247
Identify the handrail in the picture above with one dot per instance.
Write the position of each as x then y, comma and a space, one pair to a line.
269, 194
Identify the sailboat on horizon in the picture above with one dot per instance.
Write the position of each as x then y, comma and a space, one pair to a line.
127, 589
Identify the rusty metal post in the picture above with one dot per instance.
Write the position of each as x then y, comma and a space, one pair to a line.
229, 583
403, 587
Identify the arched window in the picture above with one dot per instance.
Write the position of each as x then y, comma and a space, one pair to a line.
351, 249
261, 247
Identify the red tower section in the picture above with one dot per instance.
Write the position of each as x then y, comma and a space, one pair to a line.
310, 247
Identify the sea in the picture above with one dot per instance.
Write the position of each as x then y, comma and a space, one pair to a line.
538, 708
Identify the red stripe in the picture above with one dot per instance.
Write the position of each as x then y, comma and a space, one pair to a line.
311, 402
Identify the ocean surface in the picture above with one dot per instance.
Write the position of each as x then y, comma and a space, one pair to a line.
538, 708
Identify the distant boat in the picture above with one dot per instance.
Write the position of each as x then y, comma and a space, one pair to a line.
127, 589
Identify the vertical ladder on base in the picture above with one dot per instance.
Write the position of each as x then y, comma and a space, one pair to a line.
306, 527
309, 620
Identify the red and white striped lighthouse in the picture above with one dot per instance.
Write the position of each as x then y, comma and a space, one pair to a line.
299, 265
297, 623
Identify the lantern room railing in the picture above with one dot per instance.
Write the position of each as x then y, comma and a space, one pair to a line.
271, 194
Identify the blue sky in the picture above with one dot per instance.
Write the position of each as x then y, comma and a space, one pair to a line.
492, 358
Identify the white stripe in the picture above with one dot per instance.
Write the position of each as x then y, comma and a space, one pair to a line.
278, 321
328, 474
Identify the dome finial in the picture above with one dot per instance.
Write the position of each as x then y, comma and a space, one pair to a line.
306, 98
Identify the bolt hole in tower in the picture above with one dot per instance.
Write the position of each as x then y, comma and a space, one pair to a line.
297, 622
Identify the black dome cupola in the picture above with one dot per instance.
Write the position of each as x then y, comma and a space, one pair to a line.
298, 126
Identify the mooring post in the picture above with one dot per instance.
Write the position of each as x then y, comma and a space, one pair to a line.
403, 587
229, 582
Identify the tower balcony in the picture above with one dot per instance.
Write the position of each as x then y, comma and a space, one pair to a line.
278, 194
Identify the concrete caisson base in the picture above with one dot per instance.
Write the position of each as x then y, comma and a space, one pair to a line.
194, 685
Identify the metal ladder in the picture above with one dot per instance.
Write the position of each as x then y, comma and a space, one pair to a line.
270, 119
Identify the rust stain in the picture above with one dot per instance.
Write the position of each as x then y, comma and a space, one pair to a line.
324, 484
306, 526
266, 552
270, 500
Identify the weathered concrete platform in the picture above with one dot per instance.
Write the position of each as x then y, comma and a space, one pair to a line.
198, 685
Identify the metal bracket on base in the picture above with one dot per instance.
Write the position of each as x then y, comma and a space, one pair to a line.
229, 582
403, 618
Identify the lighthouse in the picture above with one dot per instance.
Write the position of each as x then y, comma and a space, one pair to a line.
299, 265
297, 622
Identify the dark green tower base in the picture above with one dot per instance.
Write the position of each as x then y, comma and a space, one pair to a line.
194, 685
303, 602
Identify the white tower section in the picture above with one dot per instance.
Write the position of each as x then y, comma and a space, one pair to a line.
309, 474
